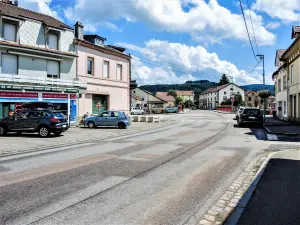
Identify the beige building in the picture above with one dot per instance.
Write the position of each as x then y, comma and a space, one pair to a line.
186, 95
291, 57
252, 99
166, 97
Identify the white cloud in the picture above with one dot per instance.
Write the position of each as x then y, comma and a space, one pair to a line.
41, 6
112, 27
285, 10
177, 63
273, 25
204, 18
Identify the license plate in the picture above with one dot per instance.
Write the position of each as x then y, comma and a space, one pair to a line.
64, 126
252, 118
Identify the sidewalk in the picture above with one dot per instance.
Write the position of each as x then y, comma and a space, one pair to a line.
276, 126
276, 198
16, 144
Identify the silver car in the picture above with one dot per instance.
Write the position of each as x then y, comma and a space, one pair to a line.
108, 119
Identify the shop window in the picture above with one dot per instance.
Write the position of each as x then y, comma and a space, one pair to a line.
53, 69
90, 66
106, 69
9, 64
9, 31
119, 72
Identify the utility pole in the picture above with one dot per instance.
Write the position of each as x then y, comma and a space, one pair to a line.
231, 91
262, 57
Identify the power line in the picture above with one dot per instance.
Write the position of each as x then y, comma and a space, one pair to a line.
252, 26
247, 30
250, 71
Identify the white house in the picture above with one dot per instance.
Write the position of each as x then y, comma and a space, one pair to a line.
38, 61
186, 95
280, 76
148, 100
214, 96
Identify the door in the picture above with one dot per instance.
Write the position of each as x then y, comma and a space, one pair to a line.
18, 122
102, 119
113, 119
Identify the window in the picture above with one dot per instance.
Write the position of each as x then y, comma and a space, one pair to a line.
279, 85
284, 107
9, 64
119, 72
224, 98
238, 93
114, 114
249, 99
284, 82
224, 92
53, 41
10, 32
52, 69
90, 66
106, 69
104, 114
292, 73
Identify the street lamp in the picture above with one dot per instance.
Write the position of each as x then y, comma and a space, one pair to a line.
262, 58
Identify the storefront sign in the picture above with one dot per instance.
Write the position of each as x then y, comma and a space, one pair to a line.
19, 94
33, 88
53, 95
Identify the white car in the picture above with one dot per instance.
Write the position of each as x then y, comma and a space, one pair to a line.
137, 111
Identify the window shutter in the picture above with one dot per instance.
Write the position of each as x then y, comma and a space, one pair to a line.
53, 68
119, 72
53, 41
10, 31
105, 69
9, 64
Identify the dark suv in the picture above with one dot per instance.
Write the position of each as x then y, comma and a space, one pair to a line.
250, 116
42, 121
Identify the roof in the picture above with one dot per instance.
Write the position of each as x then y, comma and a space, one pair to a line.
136, 97
249, 91
94, 36
279, 53
219, 87
121, 49
278, 70
207, 91
149, 93
15, 44
184, 93
21, 13
104, 49
289, 48
165, 96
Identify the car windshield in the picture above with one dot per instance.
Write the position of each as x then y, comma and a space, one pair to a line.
252, 111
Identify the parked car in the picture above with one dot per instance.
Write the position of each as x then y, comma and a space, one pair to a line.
238, 112
43, 122
250, 116
137, 111
108, 119
172, 109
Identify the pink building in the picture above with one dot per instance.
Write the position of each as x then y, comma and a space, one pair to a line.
106, 69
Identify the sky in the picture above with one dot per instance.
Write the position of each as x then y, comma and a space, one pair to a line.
172, 41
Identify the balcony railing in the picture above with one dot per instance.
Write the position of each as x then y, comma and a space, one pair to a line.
41, 81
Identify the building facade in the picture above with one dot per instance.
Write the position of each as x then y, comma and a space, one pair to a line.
252, 99
281, 79
186, 95
166, 97
106, 70
38, 61
292, 58
149, 101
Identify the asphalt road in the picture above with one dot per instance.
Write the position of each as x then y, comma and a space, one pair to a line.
170, 176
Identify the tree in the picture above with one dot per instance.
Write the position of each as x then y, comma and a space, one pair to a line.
238, 100
179, 100
172, 93
188, 103
224, 80
264, 94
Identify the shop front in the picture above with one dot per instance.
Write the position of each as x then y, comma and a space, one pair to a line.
11, 101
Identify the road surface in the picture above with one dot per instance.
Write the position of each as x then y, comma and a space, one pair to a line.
168, 176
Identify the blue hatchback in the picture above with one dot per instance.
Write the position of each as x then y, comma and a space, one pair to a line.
108, 119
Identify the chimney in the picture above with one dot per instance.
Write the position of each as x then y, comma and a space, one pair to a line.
78, 30
16, 3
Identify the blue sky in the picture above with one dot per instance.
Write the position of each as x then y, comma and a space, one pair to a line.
177, 40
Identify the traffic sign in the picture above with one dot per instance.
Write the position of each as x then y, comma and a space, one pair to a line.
232, 100
98, 105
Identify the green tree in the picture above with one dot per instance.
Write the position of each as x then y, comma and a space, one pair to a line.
224, 80
238, 100
172, 93
179, 100
264, 94
188, 103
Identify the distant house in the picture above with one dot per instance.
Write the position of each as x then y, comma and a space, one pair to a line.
186, 95
166, 97
148, 100
252, 99
136, 101
214, 96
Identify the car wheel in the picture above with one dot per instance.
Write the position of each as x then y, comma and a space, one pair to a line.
121, 125
3, 131
44, 132
57, 133
91, 125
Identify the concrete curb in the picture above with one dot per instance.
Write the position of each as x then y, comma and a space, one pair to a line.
240, 207
279, 133
223, 112
71, 143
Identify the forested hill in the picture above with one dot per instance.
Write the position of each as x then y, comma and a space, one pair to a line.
199, 86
